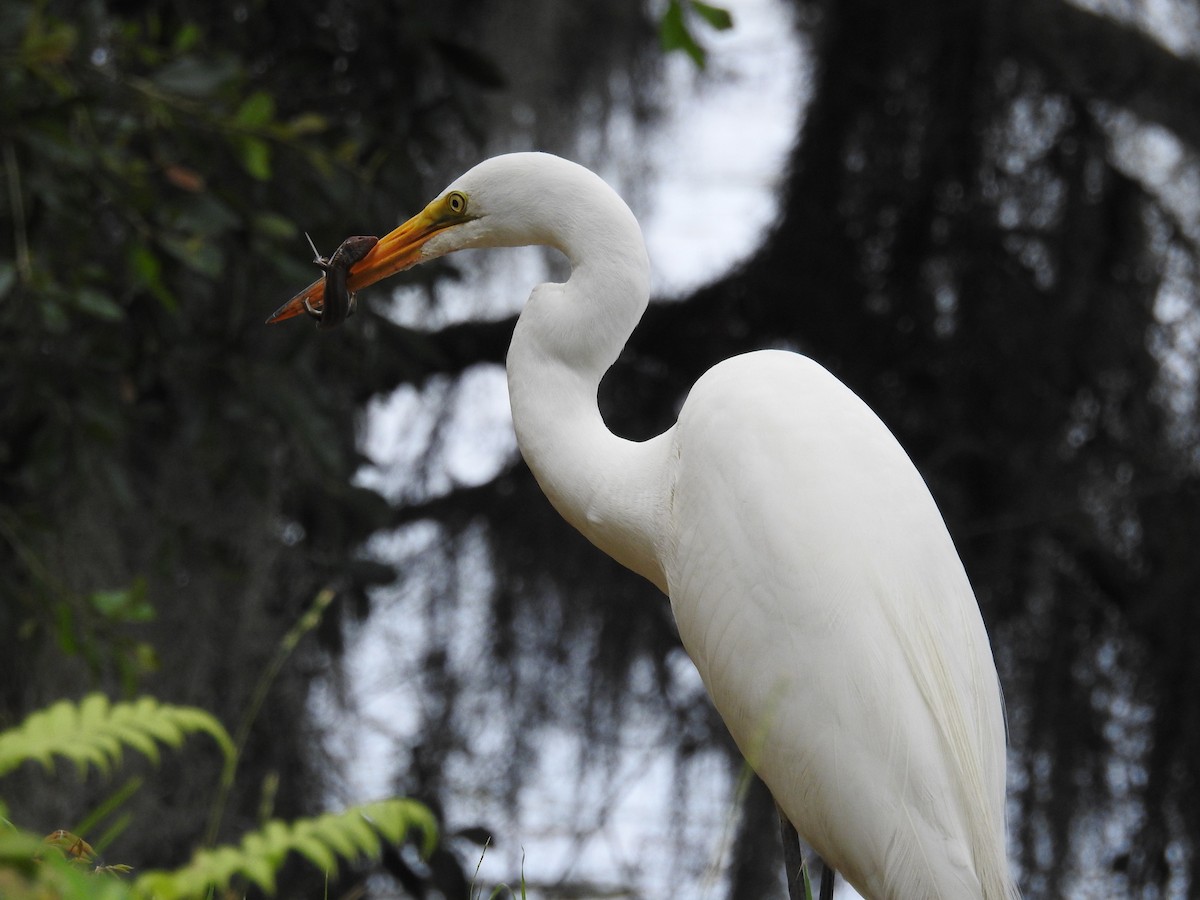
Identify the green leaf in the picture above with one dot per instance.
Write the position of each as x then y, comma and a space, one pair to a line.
147, 271
314, 851
94, 732
256, 110
186, 38
145, 264
64, 629
349, 834
258, 866
716, 16
109, 603
128, 605
18, 849
340, 839
673, 34
256, 157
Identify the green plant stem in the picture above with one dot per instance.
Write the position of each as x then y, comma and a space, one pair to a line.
305, 624
107, 807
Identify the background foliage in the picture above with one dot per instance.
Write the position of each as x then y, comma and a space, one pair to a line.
987, 230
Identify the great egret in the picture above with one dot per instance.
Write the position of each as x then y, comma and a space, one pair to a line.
810, 573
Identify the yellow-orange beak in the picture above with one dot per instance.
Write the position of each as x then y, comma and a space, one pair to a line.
395, 252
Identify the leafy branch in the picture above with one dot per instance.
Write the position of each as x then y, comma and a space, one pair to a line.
675, 28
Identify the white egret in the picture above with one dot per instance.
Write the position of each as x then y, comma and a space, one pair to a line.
810, 573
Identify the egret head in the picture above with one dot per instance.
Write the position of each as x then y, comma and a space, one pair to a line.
506, 201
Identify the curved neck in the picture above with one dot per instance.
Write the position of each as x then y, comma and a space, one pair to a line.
566, 338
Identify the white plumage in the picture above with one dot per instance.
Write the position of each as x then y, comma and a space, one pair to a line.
809, 571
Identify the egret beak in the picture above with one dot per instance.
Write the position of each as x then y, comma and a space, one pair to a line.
396, 251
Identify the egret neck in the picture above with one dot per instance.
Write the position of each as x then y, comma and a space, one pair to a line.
612, 490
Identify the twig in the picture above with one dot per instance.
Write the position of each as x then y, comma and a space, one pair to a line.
17, 205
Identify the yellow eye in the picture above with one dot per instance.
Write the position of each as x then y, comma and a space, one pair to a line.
456, 202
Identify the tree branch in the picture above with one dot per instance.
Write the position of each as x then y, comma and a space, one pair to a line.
1100, 59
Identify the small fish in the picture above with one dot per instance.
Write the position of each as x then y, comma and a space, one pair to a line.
338, 302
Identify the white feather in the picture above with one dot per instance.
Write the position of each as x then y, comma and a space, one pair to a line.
811, 576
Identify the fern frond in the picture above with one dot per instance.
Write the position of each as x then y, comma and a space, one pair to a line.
350, 834
94, 732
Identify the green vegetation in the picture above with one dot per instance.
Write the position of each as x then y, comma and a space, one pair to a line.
676, 31
94, 733
175, 480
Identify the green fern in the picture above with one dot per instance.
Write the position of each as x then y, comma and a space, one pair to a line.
94, 731
349, 834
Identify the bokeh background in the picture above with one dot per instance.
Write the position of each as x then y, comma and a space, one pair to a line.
981, 215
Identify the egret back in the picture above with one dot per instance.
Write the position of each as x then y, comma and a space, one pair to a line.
818, 592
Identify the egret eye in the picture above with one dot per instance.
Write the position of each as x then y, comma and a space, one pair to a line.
456, 202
